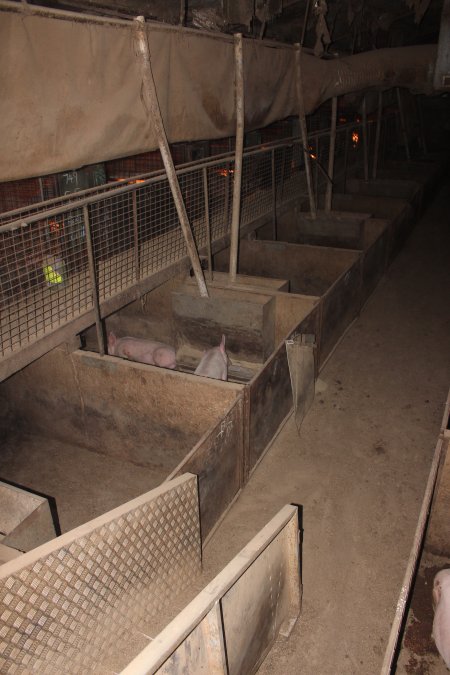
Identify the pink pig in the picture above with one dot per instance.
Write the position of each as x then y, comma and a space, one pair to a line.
144, 351
441, 623
214, 363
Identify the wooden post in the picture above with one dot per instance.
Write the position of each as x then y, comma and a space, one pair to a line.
304, 132
274, 197
158, 125
207, 221
423, 140
329, 191
403, 124
347, 136
93, 280
239, 99
377, 135
365, 140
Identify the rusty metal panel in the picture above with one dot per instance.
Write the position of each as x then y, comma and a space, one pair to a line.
72, 603
217, 460
341, 305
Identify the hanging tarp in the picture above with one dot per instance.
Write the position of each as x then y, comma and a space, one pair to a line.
71, 89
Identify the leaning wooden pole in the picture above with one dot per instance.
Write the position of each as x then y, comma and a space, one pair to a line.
377, 135
158, 125
403, 124
329, 192
237, 176
365, 140
304, 132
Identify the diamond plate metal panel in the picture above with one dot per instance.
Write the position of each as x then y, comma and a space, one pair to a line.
73, 606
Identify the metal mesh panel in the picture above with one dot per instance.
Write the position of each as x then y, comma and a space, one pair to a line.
256, 186
43, 279
79, 605
47, 273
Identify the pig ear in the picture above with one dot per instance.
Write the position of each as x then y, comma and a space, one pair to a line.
111, 338
222, 345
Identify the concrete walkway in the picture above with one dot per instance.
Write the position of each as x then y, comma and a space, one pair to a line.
360, 464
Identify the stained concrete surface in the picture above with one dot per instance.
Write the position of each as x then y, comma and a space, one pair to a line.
360, 465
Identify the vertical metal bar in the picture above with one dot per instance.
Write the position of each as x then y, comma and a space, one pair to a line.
274, 197
403, 124
329, 190
93, 280
365, 140
421, 126
347, 135
227, 194
316, 167
207, 221
283, 170
236, 210
377, 135
304, 132
41, 188
158, 126
135, 235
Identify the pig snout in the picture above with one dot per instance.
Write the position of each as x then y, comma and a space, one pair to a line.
441, 622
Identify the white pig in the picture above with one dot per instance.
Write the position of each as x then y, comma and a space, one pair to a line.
441, 623
214, 363
144, 351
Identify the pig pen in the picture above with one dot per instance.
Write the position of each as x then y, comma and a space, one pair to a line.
337, 229
256, 315
398, 212
426, 173
332, 274
93, 432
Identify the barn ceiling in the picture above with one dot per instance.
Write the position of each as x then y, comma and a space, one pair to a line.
333, 27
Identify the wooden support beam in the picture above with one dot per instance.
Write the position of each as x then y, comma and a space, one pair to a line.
158, 125
304, 132
237, 176
329, 191
377, 135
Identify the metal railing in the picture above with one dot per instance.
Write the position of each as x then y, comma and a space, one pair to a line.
63, 259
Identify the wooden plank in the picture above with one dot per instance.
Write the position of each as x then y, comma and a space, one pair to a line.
270, 398
311, 270
217, 460
246, 319
332, 229
438, 534
340, 306
375, 256
163, 646
260, 601
143, 414
203, 651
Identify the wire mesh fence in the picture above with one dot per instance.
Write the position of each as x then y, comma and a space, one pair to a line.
58, 262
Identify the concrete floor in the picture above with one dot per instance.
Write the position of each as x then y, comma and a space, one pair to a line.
360, 465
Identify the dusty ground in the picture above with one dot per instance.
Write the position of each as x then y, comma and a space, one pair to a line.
360, 465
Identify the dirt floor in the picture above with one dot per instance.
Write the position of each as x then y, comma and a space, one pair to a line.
84, 484
359, 466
